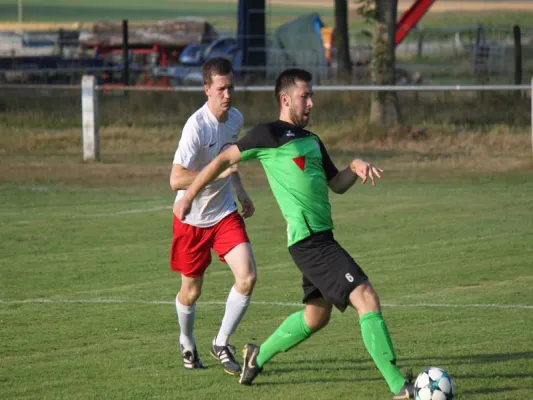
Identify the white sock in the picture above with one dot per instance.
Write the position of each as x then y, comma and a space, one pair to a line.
186, 322
236, 306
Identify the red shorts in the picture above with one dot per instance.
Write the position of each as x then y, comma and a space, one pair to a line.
191, 246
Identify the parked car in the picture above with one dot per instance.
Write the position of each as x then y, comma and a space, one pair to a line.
188, 71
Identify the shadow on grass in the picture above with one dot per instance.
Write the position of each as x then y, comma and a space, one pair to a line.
347, 364
318, 368
496, 375
311, 380
507, 389
332, 360
473, 358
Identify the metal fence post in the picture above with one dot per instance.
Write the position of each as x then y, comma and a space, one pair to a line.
89, 112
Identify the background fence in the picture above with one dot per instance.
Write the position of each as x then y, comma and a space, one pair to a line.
462, 54
46, 120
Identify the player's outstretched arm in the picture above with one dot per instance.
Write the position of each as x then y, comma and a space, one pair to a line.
248, 207
365, 171
346, 178
181, 178
222, 162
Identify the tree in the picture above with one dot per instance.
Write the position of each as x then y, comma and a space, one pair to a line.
385, 110
341, 38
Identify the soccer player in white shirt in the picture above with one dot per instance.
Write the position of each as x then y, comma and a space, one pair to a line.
214, 221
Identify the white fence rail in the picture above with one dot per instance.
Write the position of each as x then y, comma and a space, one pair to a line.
90, 101
90, 91
340, 88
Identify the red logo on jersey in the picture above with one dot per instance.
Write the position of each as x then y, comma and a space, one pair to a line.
300, 162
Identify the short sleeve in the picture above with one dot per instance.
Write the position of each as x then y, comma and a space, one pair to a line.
239, 119
256, 139
330, 168
189, 145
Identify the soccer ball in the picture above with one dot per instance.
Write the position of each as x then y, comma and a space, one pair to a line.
434, 384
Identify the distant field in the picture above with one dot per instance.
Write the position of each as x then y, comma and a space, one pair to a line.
223, 13
439, 6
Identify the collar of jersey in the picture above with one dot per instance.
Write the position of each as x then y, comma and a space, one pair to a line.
300, 132
211, 116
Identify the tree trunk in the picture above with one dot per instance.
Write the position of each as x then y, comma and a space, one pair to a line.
384, 110
342, 41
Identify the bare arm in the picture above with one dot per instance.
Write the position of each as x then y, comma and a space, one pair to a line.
237, 183
181, 178
343, 181
346, 178
248, 207
222, 162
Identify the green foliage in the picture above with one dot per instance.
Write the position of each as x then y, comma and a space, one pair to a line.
368, 10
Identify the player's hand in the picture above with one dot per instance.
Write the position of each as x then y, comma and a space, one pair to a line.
227, 172
181, 208
365, 171
248, 207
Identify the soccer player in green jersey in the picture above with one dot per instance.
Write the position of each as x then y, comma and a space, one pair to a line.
300, 172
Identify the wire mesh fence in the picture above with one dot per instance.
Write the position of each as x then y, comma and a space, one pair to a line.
439, 56
52, 107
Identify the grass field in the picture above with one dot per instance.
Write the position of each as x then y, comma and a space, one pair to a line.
86, 292
223, 13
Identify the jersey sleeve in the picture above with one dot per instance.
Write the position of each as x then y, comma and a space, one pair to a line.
189, 145
240, 120
330, 168
252, 144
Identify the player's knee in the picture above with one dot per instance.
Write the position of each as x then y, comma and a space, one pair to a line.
365, 299
370, 296
245, 285
316, 319
190, 295
317, 322
322, 322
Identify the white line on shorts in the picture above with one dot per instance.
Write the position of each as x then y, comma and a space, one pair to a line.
256, 302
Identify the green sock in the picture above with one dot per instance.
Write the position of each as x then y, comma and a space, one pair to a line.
379, 345
291, 332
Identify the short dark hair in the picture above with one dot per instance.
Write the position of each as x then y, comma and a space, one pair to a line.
289, 77
215, 66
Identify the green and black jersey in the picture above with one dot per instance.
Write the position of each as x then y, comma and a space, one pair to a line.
298, 169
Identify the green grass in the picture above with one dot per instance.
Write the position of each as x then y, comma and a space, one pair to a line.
85, 10
223, 15
465, 241
346, 111
503, 18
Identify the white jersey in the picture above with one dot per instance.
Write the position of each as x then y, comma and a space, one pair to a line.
202, 139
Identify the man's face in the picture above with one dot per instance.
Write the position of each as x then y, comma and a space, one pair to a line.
300, 103
220, 92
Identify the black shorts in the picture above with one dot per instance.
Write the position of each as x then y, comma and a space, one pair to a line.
328, 270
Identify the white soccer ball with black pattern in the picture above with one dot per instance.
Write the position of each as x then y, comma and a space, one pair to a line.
434, 384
